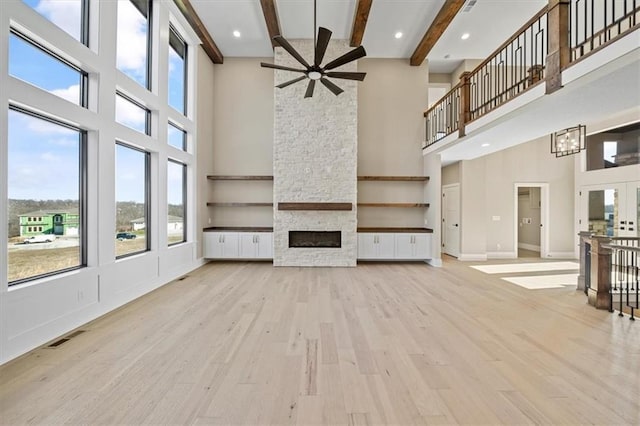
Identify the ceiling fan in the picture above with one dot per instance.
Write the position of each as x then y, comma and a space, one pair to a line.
316, 71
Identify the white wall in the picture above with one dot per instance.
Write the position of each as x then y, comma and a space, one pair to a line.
40, 310
488, 205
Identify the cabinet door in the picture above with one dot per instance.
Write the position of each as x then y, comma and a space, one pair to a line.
422, 246
248, 246
366, 247
385, 247
404, 246
264, 245
212, 245
230, 245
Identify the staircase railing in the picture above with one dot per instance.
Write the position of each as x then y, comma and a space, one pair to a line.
624, 273
558, 36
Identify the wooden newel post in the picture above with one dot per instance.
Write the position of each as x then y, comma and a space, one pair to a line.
584, 236
559, 49
598, 294
465, 102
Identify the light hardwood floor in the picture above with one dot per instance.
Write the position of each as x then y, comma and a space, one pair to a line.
246, 343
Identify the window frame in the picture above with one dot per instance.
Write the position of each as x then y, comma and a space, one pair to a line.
148, 14
184, 202
147, 198
182, 131
83, 100
82, 195
176, 37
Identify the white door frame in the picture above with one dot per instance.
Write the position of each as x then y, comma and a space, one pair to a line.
442, 224
544, 216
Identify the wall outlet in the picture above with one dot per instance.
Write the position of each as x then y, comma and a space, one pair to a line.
498, 246
209, 221
495, 218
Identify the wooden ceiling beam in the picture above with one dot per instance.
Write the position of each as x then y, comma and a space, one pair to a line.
442, 20
360, 18
198, 26
271, 18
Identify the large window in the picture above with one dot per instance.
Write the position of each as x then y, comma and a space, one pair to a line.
46, 181
176, 198
70, 15
132, 202
132, 114
617, 147
133, 41
177, 72
43, 69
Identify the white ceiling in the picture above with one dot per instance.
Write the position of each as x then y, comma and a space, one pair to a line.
411, 17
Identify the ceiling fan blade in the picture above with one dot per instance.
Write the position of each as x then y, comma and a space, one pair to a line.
348, 75
290, 82
279, 67
310, 87
324, 35
356, 53
286, 46
329, 85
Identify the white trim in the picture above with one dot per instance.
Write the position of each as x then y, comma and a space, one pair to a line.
472, 257
437, 263
501, 255
562, 255
442, 227
526, 246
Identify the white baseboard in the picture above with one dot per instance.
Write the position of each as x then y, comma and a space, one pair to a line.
435, 262
526, 246
562, 254
472, 257
501, 255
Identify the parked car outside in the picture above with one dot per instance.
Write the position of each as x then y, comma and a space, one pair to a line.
120, 236
43, 238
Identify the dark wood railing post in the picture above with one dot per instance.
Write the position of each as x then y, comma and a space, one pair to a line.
465, 103
598, 294
559, 49
584, 239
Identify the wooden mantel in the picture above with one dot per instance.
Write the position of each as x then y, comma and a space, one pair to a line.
316, 206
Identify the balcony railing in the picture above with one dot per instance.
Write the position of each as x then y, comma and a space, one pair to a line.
551, 41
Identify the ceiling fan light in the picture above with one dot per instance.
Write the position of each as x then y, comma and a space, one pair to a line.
314, 75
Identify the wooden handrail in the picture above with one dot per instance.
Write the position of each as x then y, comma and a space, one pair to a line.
621, 247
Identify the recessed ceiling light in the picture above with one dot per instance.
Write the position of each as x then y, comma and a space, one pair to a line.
236, 34
465, 36
398, 34
484, 145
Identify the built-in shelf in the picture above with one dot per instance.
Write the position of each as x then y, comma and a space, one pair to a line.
238, 229
238, 177
395, 178
397, 230
395, 205
240, 204
316, 206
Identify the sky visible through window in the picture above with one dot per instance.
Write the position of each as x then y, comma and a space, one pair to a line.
39, 149
176, 81
66, 14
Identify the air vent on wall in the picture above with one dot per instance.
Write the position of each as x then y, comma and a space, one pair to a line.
469, 5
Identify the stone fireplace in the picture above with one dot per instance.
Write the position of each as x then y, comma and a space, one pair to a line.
315, 163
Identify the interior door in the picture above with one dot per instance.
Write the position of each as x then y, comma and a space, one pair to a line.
451, 219
611, 209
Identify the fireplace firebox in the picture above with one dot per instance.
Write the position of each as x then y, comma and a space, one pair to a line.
331, 239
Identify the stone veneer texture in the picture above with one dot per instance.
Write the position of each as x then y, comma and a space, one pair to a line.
315, 159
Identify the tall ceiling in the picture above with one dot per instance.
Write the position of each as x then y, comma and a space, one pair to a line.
488, 22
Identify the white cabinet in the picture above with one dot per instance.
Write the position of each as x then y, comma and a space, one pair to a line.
221, 245
394, 246
413, 246
375, 246
256, 245
238, 245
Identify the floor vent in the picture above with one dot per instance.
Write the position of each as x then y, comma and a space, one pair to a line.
183, 278
65, 339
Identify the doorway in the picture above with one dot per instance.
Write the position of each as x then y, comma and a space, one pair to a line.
451, 219
531, 218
